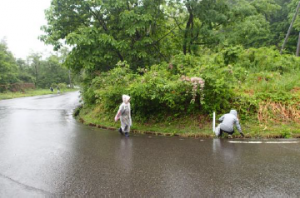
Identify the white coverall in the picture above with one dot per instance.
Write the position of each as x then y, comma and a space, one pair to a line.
227, 123
124, 114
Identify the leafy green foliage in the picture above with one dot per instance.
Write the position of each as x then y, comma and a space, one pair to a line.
234, 78
52, 72
147, 48
104, 32
42, 72
160, 89
261, 59
8, 67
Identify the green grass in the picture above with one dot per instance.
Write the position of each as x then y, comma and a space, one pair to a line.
277, 94
192, 126
30, 92
272, 83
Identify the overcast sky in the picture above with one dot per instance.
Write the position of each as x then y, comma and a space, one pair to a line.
20, 22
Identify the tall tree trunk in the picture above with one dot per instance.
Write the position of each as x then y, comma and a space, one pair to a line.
290, 28
36, 75
187, 31
298, 46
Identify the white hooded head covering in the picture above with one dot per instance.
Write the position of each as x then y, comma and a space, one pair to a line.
233, 112
125, 99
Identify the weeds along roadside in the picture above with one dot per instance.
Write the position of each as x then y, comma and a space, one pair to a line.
261, 84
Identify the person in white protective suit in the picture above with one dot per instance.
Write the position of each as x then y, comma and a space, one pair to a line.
124, 114
227, 123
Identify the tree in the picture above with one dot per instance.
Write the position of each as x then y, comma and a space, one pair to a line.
205, 19
293, 18
64, 51
35, 62
143, 32
207, 24
53, 72
101, 33
24, 72
250, 22
8, 66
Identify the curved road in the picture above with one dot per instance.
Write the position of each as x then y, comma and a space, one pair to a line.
44, 152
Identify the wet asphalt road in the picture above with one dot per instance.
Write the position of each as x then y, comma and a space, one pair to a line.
44, 152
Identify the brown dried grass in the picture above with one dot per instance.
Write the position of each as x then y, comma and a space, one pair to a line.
278, 112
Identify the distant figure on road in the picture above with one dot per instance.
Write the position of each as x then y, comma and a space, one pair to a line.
51, 89
58, 90
227, 124
124, 115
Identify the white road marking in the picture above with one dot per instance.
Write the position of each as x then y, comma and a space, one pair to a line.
264, 142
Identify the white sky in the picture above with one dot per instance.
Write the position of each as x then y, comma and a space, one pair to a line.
20, 22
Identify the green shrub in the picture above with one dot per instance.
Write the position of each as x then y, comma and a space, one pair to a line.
62, 86
266, 59
160, 90
234, 78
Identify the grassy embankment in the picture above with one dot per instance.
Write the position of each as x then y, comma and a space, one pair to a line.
271, 118
30, 92
193, 126
262, 85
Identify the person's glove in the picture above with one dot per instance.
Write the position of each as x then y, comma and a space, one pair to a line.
242, 135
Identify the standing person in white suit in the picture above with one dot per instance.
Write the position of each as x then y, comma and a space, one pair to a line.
124, 114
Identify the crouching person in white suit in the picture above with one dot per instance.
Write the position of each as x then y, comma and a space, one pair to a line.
227, 124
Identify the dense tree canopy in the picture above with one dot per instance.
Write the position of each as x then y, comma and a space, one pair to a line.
35, 69
103, 32
8, 65
143, 32
145, 47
